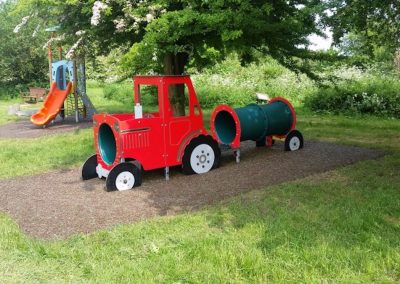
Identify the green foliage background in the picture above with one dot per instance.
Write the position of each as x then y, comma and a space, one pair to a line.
22, 59
216, 35
359, 91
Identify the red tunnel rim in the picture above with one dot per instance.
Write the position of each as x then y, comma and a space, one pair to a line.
118, 143
236, 141
285, 101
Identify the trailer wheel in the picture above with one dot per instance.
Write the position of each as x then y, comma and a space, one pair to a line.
201, 155
124, 176
88, 169
294, 141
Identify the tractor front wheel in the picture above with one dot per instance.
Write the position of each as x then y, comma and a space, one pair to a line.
201, 155
88, 169
124, 176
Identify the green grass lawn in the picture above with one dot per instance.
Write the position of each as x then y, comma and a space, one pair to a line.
340, 226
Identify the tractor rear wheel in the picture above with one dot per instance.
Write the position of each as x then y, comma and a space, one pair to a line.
201, 155
88, 169
124, 176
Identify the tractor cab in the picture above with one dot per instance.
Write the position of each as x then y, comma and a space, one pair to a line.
178, 124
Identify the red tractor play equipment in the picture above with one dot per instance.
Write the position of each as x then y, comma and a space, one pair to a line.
126, 144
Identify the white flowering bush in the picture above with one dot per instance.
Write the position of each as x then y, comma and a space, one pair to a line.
397, 60
97, 9
373, 93
23, 22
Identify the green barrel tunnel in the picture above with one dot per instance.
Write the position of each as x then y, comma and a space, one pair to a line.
107, 144
252, 122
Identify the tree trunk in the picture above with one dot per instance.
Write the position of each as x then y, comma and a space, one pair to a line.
174, 64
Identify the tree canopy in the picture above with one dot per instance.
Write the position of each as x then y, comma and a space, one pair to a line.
22, 58
171, 33
164, 36
167, 36
367, 24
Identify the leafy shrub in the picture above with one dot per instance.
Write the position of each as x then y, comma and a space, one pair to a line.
106, 68
117, 92
10, 90
123, 92
377, 94
94, 84
230, 83
213, 95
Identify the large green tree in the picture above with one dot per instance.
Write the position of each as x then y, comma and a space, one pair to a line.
365, 24
165, 35
22, 58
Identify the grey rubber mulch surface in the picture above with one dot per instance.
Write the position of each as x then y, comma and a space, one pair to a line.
57, 204
26, 129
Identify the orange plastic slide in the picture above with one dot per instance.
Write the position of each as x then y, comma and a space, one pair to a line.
52, 105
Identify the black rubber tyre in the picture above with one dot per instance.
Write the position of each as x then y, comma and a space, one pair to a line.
88, 169
294, 141
124, 176
189, 150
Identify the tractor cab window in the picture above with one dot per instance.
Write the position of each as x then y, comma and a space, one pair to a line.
148, 96
178, 96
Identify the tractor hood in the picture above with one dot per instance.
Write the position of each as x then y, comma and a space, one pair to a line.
113, 133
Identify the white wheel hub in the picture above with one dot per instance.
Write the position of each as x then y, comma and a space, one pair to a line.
294, 143
125, 181
202, 158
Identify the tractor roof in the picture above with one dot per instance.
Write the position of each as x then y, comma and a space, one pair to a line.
155, 79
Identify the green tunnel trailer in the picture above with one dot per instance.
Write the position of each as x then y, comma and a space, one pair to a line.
262, 123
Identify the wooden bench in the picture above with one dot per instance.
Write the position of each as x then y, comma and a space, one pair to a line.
34, 94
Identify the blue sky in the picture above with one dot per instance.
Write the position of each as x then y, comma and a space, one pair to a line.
320, 43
